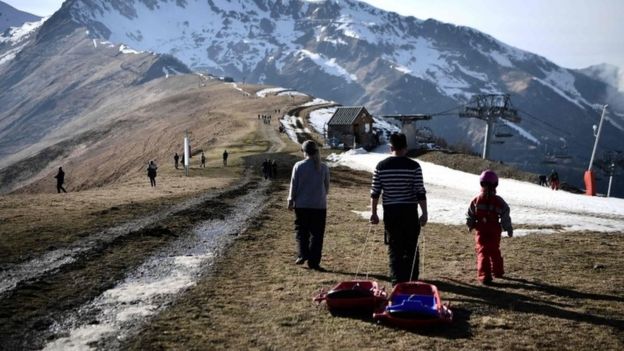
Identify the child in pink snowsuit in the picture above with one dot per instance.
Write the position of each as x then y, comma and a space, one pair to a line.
489, 215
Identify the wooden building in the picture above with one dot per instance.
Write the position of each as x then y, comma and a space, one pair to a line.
351, 127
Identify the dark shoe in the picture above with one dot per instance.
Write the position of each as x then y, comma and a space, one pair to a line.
300, 260
487, 281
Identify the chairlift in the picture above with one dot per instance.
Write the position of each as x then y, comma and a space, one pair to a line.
503, 132
549, 160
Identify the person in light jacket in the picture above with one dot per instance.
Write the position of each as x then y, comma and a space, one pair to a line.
309, 185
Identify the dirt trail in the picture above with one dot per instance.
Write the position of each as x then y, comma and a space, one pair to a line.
117, 312
56, 259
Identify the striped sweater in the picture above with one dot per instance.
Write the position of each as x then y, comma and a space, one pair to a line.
400, 180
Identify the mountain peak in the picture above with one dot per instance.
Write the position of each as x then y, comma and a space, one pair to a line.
12, 17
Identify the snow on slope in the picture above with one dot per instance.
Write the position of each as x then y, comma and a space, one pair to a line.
17, 39
449, 192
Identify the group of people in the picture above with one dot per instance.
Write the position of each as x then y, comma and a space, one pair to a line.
552, 180
152, 167
398, 181
269, 169
266, 119
202, 159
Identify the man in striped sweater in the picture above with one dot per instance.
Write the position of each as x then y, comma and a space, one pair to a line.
400, 180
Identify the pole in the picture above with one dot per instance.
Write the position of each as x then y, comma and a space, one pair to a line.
186, 153
591, 161
488, 137
610, 179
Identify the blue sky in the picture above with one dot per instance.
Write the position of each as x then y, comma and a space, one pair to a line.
571, 33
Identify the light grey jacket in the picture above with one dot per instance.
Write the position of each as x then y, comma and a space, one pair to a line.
309, 186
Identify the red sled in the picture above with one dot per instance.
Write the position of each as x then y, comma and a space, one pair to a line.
412, 305
355, 296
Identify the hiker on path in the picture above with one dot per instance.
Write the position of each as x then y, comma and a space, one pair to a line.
400, 180
543, 180
176, 159
273, 169
266, 165
309, 185
60, 179
203, 160
225, 157
151, 172
489, 215
553, 178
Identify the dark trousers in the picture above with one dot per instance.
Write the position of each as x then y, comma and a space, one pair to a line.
309, 231
59, 187
402, 228
152, 181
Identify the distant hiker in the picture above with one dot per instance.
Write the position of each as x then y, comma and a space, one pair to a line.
554, 180
543, 180
225, 157
203, 160
309, 185
60, 179
489, 215
266, 169
151, 172
176, 158
273, 169
400, 180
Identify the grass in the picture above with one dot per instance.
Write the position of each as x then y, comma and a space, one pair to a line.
562, 291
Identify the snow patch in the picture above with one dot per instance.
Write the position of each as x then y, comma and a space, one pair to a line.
329, 66
319, 118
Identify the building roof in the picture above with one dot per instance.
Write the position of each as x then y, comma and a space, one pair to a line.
346, 115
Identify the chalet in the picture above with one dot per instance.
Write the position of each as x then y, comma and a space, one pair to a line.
351, 127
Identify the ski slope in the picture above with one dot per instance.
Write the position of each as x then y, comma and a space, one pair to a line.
534, 209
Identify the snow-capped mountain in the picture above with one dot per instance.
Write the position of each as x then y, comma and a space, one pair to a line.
12, 17
353, 53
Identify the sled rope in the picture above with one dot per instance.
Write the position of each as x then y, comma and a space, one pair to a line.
361, 260
415, 256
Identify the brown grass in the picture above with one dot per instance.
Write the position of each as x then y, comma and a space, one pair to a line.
256, 298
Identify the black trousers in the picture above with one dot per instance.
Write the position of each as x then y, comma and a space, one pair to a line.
402, 228
309, 232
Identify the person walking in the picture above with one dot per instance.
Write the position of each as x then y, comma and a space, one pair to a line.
176, 159
60, 179
399, 179
309, 185
266, 165
203, 160
488, 213
225, 157
274, 169
151, 172
553, 178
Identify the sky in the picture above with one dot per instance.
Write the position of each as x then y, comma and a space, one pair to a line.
571, 33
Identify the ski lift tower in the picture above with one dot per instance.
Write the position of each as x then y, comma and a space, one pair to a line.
490, 107
409, 120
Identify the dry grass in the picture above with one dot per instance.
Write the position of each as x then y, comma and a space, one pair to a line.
257, 298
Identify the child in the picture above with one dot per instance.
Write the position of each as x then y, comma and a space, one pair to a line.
487, 214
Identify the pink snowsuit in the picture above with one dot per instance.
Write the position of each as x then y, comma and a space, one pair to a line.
487, 214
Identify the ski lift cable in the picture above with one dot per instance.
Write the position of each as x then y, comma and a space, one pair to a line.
447, 112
